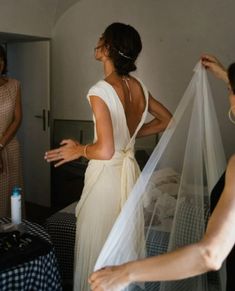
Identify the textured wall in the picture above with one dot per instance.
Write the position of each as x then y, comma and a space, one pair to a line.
174, 35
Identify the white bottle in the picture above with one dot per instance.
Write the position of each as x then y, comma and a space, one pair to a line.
16, 205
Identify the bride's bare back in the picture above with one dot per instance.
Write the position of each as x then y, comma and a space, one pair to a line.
131, 95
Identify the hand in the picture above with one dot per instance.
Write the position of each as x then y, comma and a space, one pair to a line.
70, 150
1, 162
109, 279
213, 64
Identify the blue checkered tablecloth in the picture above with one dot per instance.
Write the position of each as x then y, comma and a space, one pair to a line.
39, 274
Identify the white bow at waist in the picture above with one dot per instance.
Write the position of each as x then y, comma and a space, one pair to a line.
129, 173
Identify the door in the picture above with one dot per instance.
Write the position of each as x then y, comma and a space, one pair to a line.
29, 63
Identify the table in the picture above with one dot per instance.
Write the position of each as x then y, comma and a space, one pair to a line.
39, 274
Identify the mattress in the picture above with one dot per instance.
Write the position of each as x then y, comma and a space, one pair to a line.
61, 227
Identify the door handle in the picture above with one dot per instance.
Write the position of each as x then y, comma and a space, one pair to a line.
43, 117
48, 118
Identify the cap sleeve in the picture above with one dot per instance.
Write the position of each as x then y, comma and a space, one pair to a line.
100, 91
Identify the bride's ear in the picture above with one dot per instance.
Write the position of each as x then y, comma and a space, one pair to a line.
106, 50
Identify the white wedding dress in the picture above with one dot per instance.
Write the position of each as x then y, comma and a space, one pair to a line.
107, 186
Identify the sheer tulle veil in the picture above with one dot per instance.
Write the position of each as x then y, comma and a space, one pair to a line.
169, 205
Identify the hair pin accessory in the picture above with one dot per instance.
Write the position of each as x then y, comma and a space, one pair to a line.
125, 56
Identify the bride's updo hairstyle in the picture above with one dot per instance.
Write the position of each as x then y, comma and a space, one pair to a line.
124, 44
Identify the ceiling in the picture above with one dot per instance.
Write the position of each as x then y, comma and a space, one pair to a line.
62, 6
52, 9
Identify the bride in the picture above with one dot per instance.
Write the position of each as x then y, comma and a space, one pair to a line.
120, 104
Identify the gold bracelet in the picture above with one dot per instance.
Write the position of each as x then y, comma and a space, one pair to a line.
85, 151
230, 113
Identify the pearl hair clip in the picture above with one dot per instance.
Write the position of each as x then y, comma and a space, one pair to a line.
125, 56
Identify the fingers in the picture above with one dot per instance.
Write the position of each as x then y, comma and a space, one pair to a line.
53, 155
94, 281
66, 153
65, 141
92, 277
60, 163
56, 154
208, 61
96, 285
209, 58
99, 280
68, 142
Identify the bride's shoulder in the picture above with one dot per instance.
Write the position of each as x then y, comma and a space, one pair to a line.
99, 84
99, 89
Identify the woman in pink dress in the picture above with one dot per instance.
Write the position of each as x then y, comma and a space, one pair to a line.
10, 119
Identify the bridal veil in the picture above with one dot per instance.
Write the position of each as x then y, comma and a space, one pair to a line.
169, 204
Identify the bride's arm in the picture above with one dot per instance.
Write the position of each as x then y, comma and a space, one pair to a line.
161, 115
192, 260
102, 149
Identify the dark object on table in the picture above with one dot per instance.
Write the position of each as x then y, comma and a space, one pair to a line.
17, 248
40, 273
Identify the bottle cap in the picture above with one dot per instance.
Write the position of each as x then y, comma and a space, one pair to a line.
16, 191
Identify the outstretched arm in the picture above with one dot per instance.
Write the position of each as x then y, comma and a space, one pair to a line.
162, 117
102, 149
208, 254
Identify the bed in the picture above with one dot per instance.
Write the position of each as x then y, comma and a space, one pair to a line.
62, 225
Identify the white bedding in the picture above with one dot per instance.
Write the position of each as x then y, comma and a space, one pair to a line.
70, 208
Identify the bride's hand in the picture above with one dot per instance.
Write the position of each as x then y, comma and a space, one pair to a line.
109, 279
68, 151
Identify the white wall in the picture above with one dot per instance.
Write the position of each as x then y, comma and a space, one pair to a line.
28, 17
174, 34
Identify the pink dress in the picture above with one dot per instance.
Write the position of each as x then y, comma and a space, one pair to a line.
12, 174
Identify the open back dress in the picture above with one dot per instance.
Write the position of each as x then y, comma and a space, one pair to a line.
106, 188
